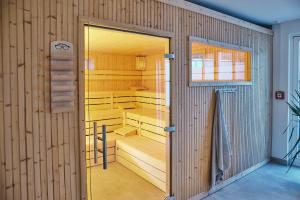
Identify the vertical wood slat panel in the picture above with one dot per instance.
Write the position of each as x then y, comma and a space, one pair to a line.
80, 118
67, 169
245, 98
14, 98
56, 184
42, 25
48, 18
54, 143
60, 144
2, 147
65, 138
76, 185
7, 103
48, 165
69, 137
34, 99
28, 99
41, 97
60, 131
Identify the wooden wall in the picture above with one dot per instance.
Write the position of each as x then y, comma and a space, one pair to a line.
120, 64
112, 72
39, 150
153, 78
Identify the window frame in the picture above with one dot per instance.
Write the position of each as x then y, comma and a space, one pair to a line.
223, 45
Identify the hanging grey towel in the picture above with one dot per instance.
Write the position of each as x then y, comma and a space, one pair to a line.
221, 148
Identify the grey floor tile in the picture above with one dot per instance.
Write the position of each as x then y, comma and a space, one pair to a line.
270, 182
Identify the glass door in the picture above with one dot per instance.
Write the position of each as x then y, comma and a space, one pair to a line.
296, 63
295, 77
127, 108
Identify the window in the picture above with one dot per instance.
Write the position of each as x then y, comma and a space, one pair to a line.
214, 63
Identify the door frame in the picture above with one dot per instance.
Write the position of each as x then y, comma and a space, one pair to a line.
83, 21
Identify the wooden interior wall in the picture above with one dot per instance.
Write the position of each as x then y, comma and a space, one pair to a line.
121, 63
112, 61
153, 77
39, 150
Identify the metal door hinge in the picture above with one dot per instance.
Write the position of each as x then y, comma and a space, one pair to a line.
170, 129
170, 56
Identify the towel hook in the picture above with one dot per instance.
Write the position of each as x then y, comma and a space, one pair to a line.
229, 90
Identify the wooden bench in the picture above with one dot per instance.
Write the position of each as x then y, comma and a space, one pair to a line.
145, 153
150, 123
111, 151
145, 157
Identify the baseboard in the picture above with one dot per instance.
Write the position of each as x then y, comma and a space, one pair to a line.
229, 181
285, 162
297, 163
199, 196
278, 161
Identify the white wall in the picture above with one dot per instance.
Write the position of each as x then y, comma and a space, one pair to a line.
281, 78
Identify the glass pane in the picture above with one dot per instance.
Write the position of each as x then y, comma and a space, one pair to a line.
240, 66
127, 88
224, 65
297, 54
210, 63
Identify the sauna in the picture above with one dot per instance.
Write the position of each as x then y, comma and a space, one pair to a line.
125, 83
127, 108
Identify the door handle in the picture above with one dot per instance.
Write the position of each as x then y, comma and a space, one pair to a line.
95, 143
104, 147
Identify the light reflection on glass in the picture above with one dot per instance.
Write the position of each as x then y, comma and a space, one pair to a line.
213, 63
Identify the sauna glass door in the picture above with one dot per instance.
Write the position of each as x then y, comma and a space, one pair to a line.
127, 108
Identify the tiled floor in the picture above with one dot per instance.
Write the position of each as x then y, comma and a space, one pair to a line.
270, 182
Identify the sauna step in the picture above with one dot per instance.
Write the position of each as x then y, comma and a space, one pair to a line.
126, 131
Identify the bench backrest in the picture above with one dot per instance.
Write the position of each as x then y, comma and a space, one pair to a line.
105, 107
113, 100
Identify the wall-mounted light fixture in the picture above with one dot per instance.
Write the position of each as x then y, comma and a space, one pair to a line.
140, 63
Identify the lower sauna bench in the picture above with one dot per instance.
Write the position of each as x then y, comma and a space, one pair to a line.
111, 143
145, 157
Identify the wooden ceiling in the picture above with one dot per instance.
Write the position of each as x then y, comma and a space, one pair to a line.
110, 41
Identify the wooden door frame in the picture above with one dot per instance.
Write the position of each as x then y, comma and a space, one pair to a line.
83, 21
